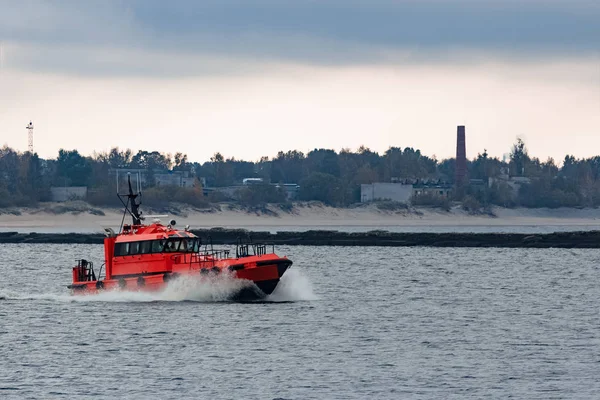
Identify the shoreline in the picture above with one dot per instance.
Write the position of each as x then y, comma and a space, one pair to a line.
220, 236
315, 224
86, 219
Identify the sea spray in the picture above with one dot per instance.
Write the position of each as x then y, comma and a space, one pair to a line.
293, 286
222, 287
198, 288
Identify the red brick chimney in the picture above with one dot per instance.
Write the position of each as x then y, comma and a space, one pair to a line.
461, 156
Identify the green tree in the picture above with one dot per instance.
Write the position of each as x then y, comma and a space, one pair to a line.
447, 170
119, 159
287, 167
152, 160
72, 168
519, 158
223, 171
478, 168
501, 194
257, 194
264, 169
324, 161
181, 162
321, 187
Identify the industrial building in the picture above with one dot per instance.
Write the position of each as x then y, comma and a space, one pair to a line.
402, 190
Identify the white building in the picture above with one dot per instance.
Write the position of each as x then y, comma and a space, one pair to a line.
386, 191
161, 177
66, 193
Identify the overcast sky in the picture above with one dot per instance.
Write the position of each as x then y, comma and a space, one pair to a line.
250, 78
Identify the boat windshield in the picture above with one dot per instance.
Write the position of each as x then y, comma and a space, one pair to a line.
186, 245
157, 245
172, 245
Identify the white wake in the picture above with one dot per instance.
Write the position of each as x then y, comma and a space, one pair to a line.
293, 287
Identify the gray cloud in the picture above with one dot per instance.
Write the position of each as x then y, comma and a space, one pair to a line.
76, 35
389, 23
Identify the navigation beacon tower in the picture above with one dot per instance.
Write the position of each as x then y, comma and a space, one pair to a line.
30, 136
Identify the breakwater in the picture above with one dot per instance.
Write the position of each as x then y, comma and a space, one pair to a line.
216, 236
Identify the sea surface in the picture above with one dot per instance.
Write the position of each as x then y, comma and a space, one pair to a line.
346, 323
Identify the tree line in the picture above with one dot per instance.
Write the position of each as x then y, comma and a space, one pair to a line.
325, 175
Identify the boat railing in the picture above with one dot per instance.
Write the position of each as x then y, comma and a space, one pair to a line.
203, 257
100, 272
208, 255
261, 249
85, 271
252, 249
217, 254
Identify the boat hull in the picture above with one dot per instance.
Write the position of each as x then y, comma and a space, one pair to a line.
265, 275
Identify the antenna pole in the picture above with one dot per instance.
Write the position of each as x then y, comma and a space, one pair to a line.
30, 136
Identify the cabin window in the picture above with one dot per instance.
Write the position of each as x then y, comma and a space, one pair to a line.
145, 247
121, 249
157, 246
187, 245
191, 245
134, 248
172, 245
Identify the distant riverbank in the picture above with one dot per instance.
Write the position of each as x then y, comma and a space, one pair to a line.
80, 217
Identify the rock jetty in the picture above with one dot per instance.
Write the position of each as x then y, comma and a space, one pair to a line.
588, 239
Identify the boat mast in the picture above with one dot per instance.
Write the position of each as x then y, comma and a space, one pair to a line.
131, 200
135, 207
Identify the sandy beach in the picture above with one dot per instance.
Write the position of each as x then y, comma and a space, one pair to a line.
314, 217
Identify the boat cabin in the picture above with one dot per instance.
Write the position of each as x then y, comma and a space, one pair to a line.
147, 250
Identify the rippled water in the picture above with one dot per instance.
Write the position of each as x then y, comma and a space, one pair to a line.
347, 323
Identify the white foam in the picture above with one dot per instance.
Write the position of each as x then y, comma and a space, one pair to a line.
217, 288
294, 286
184, 288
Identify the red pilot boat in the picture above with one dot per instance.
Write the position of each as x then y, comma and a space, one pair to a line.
147, 257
